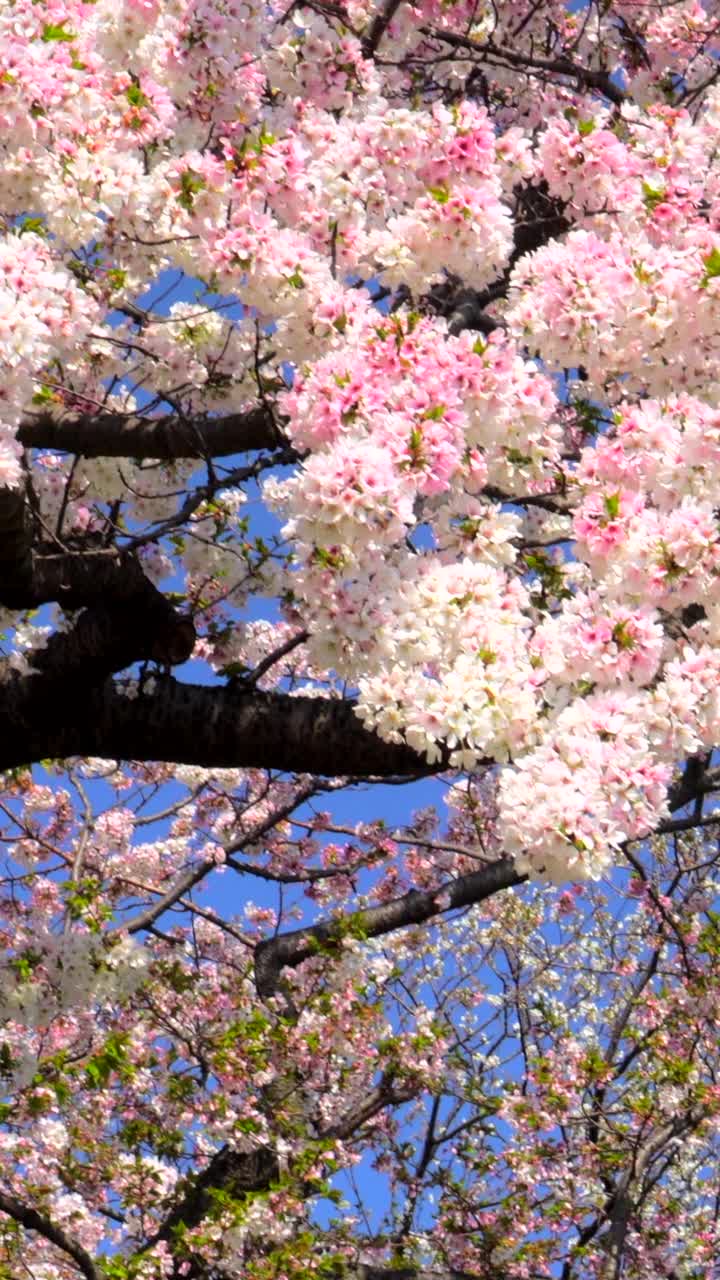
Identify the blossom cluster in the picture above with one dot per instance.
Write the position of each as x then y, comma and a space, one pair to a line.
451, 555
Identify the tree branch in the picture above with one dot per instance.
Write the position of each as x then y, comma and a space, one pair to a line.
385, 1094
238, 1172
127, 620
540, 219
697, 780
288, 950
234, 1172
119, 435
195, 724
33, 1220
16, 565
110, 638
78, 578
584, 77
379, 26
196, 873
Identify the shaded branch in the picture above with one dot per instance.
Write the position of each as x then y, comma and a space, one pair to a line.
33, 1220
387, 1093
234, 1172
237, 1173
110, 638
584, 77
15, 542
697, 780
196, 724
540, 219
127, 618
78, 578
379, 26
119, 435
289, 949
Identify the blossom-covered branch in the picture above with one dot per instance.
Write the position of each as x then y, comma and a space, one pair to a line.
290, 949
37, 1221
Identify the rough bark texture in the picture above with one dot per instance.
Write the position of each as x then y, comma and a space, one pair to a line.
127, 619
118, 435
233, 1172
77, 578
16, 565
193, 724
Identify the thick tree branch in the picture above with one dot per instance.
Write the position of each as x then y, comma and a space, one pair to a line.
119, 435
540, 219
110, 638
697, 780
33, 1220
127, 618
78, 578
239, 1172
195, 724
385, 1094
234, 1172
16, 565
290, 949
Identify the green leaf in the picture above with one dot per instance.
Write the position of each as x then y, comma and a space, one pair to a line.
712, 268
136, 97
43, 395
328, 559
25, 964
589, 416
116, 278
190, 184
622, 636
441, 194
652, 196
584, 127
415, 445
36, 225
112, 1058
56, 31
234, 669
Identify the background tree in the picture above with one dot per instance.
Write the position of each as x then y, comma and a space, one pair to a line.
359, 425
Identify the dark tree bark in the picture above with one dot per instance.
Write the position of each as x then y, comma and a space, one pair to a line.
33, 1220
193, 724
289, 949
119, 435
